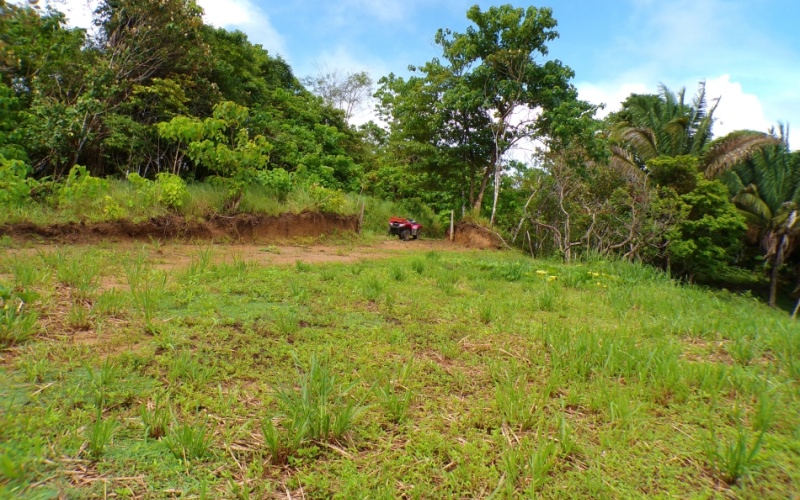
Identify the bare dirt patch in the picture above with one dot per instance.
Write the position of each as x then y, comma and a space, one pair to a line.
176, 256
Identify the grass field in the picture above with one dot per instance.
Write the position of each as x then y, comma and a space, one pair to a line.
428, 374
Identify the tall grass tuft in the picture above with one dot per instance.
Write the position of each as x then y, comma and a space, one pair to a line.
188, 441
734, 459
319, 409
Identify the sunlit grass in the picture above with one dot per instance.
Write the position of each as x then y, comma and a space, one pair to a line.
456, 375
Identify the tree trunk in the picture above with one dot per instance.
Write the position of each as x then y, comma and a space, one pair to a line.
479, 200
777, 261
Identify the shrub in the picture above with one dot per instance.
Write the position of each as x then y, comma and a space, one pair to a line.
15, 186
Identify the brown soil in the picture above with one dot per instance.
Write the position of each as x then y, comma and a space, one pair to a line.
474, 236
244, 228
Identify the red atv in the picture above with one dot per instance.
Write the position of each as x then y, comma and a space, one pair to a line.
404, 228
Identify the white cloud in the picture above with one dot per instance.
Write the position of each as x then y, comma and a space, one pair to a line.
737, 110
246, 16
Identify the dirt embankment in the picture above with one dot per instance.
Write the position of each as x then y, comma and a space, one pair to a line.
474, 236
245, 228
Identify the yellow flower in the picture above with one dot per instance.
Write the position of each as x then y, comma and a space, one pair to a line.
552, 278
541, 272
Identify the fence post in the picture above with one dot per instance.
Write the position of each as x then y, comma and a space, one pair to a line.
452, 215
361, 218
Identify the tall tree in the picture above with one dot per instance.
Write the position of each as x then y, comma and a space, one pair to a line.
490, 90
666, 124
347, 91
766, 189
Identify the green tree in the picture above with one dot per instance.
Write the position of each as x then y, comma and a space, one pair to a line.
348, 92
766, 189
222, 144
665, 124
461, 113
707, 238
500, 63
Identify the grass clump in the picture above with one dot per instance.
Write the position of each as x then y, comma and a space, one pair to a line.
188, 441
319, 409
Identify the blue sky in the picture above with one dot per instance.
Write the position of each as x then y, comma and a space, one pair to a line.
748, 51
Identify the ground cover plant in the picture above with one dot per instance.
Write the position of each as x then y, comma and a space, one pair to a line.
427, 374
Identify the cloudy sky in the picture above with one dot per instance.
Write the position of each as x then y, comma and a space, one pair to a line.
748, 51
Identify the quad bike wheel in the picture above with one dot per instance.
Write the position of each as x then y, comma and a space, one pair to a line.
404, 234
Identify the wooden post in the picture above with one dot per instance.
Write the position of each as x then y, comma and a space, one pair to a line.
361, 218
452, 215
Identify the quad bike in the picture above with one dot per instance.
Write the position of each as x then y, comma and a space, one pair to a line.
404, 228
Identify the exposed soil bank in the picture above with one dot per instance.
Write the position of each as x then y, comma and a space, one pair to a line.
245, 228
474, 236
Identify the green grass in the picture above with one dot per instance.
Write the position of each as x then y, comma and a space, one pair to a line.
430, 375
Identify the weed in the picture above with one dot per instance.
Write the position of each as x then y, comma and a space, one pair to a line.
26, 273
188, 367
200, 263
371, 288
80, 275
188, 441
397, 273
539, 465
566, 437
486, 313
321, 408
395, 396
735, 459
767, 403
744, 350
78, 318
17, 322
147, 292
302, 267
100, 435
547, 299
418, 266
287, 322
327, 274
110, 303
10, 469
299, 292
512, 271
156, 416
515, 401
35, 369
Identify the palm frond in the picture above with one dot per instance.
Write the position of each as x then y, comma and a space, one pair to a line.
622, 160
641, 139
750, 203
731, 150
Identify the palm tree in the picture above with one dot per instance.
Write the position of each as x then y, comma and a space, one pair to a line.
766, 189
665, 124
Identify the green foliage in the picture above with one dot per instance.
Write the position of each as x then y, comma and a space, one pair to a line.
319, 409
734, 460
188, 441
15, 185
17, 321
100, 435
676, 172
222, 144
707, 239
168, 189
